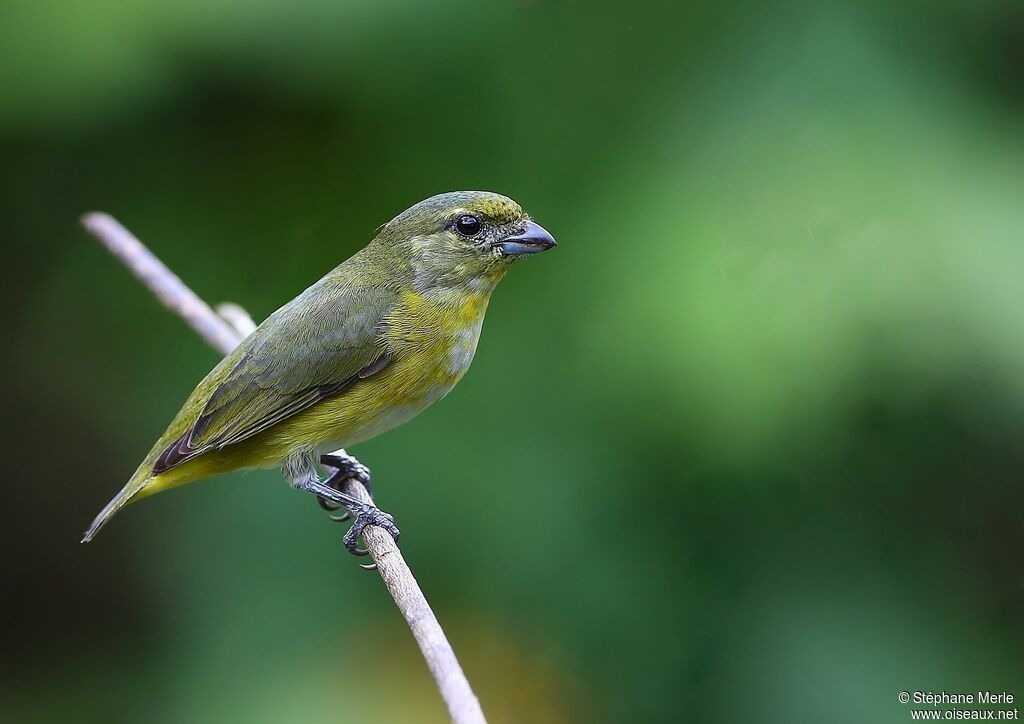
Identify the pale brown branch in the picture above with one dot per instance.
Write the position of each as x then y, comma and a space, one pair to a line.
223, 330
164, 284
237, 317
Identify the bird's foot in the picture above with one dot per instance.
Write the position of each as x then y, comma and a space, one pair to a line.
365, 514
345, 467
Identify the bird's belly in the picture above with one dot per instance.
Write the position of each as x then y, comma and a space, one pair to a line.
379, 403
380, 418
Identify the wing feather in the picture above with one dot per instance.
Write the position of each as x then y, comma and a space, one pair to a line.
315, 347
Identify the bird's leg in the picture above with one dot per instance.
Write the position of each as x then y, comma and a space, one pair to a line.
301, 473
345, 466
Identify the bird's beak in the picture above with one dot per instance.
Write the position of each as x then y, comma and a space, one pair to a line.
532, 239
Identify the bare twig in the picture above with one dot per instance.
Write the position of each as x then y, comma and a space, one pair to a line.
223, 330
237, 317
167, 287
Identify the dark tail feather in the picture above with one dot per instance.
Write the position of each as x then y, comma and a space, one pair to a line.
129, 491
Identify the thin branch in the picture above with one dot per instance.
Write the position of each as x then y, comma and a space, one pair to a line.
224, 330
167, 287
237, 317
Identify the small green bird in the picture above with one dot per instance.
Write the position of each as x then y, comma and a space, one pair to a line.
366, 348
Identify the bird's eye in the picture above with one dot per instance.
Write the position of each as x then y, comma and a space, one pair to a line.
468, 225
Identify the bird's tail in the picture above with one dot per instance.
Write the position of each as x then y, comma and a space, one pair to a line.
136, 485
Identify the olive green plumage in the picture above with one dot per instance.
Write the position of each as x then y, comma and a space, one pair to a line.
365, 348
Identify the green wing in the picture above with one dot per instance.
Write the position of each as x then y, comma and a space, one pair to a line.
312, 348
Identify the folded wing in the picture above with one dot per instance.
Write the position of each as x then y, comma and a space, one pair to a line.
313, 348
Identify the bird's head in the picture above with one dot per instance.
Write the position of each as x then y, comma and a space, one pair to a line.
464, 237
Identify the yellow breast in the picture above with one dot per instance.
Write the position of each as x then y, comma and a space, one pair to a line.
431, 340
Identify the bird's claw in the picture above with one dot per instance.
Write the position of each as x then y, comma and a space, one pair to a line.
331, 507
365, 515
327, 505
342, 467
345, 467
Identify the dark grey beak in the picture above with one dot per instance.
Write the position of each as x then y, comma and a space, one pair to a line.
532, 239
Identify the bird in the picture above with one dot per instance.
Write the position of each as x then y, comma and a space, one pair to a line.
366, 348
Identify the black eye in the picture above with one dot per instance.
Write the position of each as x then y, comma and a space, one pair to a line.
468, 225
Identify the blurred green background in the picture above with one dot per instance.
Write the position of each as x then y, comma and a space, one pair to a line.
745, 447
